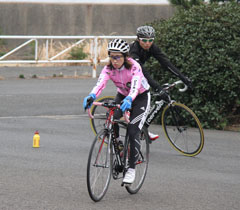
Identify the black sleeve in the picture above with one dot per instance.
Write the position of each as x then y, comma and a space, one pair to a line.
163, 60
135, 52
154, 84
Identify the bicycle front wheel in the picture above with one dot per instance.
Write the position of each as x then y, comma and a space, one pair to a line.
100, 114
142, 163
99, 167
183, 129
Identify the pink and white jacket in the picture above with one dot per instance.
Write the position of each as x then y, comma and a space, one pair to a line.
129, 82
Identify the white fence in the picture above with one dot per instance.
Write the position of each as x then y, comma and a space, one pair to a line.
94, 50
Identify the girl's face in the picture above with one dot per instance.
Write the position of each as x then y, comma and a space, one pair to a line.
117, 59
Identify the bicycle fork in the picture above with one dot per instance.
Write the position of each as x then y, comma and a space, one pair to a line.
176, 119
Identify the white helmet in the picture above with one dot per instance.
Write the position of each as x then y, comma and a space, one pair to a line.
118, 45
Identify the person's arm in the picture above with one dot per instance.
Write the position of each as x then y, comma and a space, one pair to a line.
101, 83
135, 52
153, 83
138, 81
163, 60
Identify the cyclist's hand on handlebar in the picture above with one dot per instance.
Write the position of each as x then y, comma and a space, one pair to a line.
158, 89
87, 102
162, 93
188, 82
126, 103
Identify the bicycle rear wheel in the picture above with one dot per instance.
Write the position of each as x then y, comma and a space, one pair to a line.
100, 115
183, 129
142, 163
99, 167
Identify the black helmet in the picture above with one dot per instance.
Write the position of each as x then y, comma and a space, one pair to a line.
146, 32
118, 45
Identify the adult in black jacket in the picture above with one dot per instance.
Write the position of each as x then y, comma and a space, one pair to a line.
142, 49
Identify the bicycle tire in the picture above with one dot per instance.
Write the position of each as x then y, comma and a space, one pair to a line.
100, 115
142, 164
183, 129
99, 166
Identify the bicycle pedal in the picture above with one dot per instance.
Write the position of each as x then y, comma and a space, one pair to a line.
125, 184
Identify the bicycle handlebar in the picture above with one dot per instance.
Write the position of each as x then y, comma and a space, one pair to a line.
169, 86
181, 89
89, 110
108, 105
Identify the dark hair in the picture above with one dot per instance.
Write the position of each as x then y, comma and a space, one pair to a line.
126, 62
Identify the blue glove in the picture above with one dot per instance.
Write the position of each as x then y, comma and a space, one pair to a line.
87, 102
126, 104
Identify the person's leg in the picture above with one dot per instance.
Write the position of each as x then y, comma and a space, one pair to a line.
138, 115
118, 113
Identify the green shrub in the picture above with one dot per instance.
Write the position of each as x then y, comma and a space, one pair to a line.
77, 53
186, 4
204, 43
34, 76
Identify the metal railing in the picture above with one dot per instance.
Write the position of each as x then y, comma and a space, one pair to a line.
94, 49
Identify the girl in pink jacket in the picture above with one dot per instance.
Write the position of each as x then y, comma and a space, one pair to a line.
132, 93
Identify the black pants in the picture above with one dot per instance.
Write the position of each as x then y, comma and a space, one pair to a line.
138, 115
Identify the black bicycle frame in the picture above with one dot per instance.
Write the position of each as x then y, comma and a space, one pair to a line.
154, 110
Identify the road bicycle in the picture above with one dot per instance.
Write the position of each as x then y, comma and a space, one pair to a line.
108, 156
180, 124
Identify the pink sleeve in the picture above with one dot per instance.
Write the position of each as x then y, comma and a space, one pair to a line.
136, 81
101, 83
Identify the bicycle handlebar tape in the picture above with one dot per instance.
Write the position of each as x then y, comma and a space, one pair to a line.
36, 140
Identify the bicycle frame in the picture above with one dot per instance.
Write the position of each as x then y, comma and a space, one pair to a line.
156, 108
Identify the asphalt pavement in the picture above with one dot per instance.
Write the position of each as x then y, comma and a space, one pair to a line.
53, 176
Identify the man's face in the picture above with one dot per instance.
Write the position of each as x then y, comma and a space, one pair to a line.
146, 43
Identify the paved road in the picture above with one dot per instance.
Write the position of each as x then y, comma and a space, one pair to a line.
54, 175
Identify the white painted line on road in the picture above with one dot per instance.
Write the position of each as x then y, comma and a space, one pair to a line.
58, 117
3, 95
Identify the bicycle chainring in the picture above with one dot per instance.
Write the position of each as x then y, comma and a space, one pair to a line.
116, 169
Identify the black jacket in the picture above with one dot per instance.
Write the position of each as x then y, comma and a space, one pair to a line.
141, 56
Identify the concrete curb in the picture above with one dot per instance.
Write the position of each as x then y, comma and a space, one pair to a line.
9, 72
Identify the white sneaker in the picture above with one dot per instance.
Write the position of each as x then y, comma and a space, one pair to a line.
129, 176
153, 136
